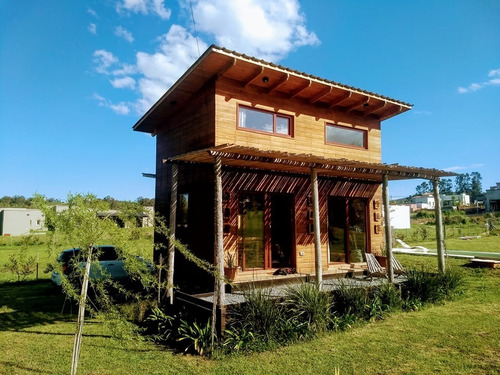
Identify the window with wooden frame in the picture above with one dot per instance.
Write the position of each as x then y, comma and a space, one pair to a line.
344, 136
262, 121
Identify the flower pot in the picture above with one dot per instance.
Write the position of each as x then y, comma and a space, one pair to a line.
230, 273
382, 260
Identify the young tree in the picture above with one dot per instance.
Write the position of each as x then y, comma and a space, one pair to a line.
476, 185
445, 186
423, 188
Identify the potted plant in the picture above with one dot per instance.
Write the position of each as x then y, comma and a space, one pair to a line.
231, 266
382, 259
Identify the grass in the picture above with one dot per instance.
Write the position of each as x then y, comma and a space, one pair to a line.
459, 337
490, 244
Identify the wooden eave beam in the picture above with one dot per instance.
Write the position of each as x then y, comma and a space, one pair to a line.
254, 76
340, 99
296, 92
391, 112
375, 108
357, 105
278, 83
225, 69
320, 95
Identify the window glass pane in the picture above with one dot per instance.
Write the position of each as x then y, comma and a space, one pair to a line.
345, 136
282, 125
357, 229
256, 120
251, 230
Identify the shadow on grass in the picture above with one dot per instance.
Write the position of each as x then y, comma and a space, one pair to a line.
26, 304
16, 367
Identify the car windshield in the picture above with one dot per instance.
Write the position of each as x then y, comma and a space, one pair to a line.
104, 253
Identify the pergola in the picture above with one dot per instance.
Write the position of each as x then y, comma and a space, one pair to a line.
252, 158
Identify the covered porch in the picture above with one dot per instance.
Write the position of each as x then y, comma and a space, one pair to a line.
350, 174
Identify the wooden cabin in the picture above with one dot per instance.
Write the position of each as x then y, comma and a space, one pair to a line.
279, 169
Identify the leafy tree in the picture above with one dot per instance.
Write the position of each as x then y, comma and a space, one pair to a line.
463, 183
423, 188
476, 185
445, 186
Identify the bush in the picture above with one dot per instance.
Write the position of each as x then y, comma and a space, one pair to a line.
196, 337
389, 296
350, 301
430, 287
308, 307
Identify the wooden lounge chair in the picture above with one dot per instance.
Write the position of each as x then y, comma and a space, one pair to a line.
374, 267
397, 268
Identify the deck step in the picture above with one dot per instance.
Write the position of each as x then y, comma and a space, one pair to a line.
488, 263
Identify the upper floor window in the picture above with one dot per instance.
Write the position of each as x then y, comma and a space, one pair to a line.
264, 121
346, 136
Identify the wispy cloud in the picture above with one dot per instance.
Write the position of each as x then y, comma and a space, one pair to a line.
144, 7
463, 167
124, 33
92, 28
422, 113
494, 80
120, 108
266, 29
92, 12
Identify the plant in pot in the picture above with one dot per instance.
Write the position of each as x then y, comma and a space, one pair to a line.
382, 259
231, 266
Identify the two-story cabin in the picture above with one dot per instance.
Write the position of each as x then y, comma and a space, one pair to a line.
256, 154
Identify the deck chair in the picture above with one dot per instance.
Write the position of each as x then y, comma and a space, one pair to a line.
374, 267
397, 268
406, 246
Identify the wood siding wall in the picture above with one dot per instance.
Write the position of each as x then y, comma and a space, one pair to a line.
234, 182
309, 124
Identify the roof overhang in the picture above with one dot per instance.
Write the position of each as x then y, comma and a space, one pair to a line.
278, 161
271, 79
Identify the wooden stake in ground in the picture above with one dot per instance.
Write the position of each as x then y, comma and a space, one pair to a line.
81, 314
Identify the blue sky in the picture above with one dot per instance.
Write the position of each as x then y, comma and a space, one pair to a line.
75, 76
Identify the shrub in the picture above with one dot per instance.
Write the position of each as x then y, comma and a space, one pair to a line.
238, 340
389, 296
160, 326
196, 337
349, 300
430, 287
306, 305
21, 264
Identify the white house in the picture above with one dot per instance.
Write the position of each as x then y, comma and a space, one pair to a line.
19, 221
455, 200
424, 202
400, 217
492, 197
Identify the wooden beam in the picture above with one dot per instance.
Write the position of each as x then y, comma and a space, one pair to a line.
256, 74
439, 226
317, 231
278, 83
172, 226
224, 70
219, 286
296, 92
320, 95
340, 99
357, 105
374, 108
387, 226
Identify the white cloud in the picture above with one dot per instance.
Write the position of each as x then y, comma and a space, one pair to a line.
144, 7
463, 167
120, 108
124, 33
92, 28
104, 60
125, 82
177, 51
92, 12
493, 81
260, 28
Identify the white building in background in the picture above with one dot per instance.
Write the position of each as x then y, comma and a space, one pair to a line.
400, 217
454, 200
492, 198
19, 221
424, 202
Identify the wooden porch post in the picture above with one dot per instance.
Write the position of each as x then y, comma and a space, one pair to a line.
316, 225
172, 225
219, 286
387, 225
439, 226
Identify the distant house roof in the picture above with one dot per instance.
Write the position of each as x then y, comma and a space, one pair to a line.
270, 79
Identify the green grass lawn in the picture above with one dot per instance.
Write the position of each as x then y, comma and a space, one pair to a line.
490, 244
459, 337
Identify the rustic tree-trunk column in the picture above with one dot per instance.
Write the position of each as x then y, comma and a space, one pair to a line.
439, 226
387, 225
172, 226
219, 286
316, 224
